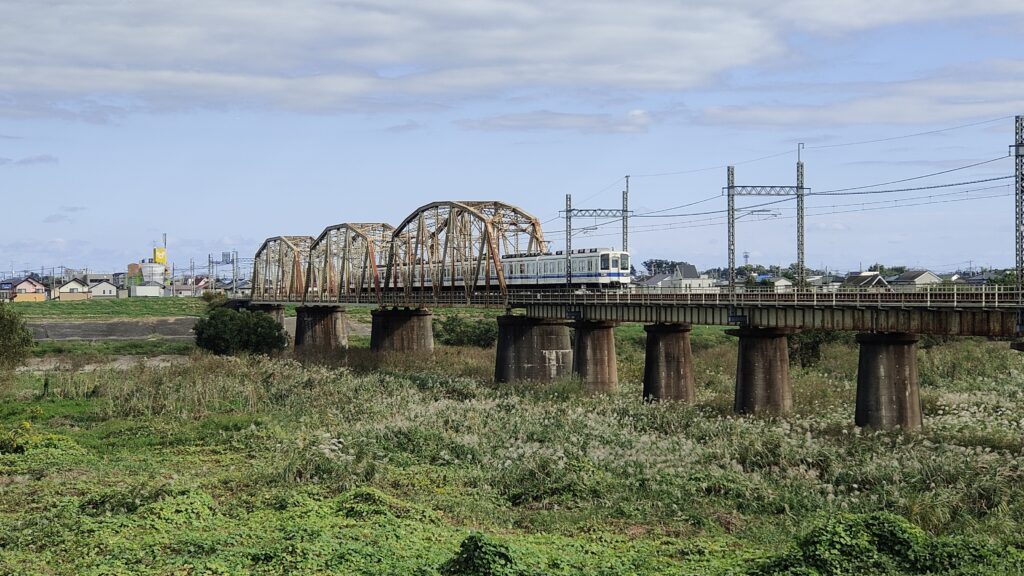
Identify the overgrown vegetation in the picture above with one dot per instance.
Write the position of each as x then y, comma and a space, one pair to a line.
225, 331
459, 330
15, 341
224, 465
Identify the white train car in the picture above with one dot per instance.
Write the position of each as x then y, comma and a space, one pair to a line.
601, 268
597, 268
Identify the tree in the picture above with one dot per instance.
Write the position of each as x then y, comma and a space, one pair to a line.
15, 339
224, 331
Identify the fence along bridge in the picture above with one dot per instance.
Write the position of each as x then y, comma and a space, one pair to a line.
452, 254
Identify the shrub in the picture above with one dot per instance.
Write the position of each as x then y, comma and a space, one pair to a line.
224, 331
456, 330
805, 347
15, 339
480, 556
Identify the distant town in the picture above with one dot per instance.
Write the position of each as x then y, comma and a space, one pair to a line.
149, 278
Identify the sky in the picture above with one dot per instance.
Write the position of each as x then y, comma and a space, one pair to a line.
224, 123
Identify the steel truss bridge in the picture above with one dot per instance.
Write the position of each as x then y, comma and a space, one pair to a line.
450, 253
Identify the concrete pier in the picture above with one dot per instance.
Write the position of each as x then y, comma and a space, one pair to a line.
320, 329
668, 363
276, 311
762, 371
402, 330
532, 349
887, 389
594, 356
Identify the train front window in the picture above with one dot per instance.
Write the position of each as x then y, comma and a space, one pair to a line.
624, 261
615, 262
604, 262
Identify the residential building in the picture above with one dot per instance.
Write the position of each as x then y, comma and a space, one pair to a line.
870, 280
73, 290
916, 278
22, 290
103, 289
685, 278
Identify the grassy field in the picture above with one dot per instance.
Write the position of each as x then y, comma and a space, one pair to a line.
110, 309
407, 464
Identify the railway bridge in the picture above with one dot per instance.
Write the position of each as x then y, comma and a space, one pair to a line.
476, 253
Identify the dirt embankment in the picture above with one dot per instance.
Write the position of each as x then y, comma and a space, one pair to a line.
140, 328
122, 329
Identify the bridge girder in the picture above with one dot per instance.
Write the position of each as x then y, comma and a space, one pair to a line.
279, 268
459, 245
347, 259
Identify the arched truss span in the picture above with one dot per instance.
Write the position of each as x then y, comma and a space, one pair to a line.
279, 268
447, 246
347, 260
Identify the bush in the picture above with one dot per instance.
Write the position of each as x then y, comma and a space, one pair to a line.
456, 330
225, 331
15, 339
480, 556
805, 347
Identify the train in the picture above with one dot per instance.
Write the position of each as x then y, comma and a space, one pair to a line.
592, 268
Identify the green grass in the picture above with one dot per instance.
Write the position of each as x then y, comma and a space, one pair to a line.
397, 464
100, 348
109, 309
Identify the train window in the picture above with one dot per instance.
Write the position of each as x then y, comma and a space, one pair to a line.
624, 261
615, 263
604, 262
590, 264
522, 268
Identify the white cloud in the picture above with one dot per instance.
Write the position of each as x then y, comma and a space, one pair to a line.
633, 121
987, 89
98, 58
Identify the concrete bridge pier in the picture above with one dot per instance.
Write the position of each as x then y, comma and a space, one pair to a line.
668, 363
320, 329
276, 311
594, 356
887, 389
402, 330
762, 371
532, 349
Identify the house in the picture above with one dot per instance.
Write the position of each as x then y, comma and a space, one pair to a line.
779, 284
826, 283
914, 278
685, 278
147, 290
103, 289
73, 290
871, 280
22, 290
954, 278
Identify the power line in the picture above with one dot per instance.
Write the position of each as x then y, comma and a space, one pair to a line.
895, 190
694, 223
913, 178
890, 139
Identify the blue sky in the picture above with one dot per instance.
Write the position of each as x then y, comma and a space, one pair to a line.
223, 123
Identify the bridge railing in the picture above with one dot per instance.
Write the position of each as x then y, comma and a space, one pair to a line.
930, 296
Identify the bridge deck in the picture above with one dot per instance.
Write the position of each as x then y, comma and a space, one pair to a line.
981, 311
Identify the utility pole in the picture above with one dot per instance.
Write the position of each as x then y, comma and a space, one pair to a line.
209, 270
568, 241
730, 179
234, 273
625, 217
1019, 228
733, 190
801, 270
